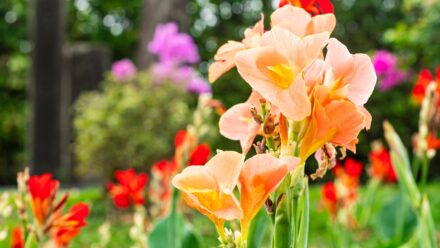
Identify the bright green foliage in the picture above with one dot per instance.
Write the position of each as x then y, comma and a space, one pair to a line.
127, 124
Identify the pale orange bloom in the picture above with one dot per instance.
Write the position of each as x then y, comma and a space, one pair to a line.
209, 188
237, 123
224, 58
338, 93
300, 22
275, 69
260, 176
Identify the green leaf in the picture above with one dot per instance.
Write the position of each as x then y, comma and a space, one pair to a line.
304, 216
191, 238
166, 232
31, 241
395, 221
282, 230
258, 229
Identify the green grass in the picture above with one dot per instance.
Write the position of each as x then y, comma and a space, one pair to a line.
320, 236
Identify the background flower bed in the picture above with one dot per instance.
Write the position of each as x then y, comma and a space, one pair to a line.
364, 26
102, 209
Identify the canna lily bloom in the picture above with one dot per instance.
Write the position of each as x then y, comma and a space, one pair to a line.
224, 58
43, 190
275, 69
130, 189
238, 122
381, 165
338, 93
67, 226
348, 179
199, 155
210, 188
424, 79
330, 197
301, 23
259, 177
17, 240
314, 7
433, 143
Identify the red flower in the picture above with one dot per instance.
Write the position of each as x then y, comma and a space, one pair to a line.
67, 226
200, 155
17, 240
330, 197
130, 189
433, 142
424, 79
353, 168
165, 167
43, 190
314, 7
381, 165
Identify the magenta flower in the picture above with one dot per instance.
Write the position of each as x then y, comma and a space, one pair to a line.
171, 46
123, 69
199, 85
385, 65
183, 76
384, 62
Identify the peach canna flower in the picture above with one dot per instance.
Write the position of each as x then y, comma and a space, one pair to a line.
224, 58
238, 123
275, 69
259, 177
209, 188
301, 23
338, 93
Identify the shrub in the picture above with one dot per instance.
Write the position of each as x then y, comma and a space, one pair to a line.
129, 123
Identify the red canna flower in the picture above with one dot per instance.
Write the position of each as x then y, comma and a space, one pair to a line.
200, 155
433, 142
43, 190
17, 240
130, 189
381, 165
67, 226
314, 7
424, 79
353, 168
330, 197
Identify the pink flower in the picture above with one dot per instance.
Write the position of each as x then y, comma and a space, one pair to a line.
172, 46
123, 69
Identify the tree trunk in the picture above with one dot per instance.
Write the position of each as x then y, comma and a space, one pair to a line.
47, 28
155, 12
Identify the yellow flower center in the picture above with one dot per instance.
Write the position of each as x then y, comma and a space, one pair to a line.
281, 75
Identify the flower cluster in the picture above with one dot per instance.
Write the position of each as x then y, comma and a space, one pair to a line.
339, 197
426, 92
303, 100
123, 69
50, 221
385, 64
176, 52
130, 188
420, 89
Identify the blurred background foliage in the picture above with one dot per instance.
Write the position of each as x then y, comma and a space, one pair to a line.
135, 116
410, 28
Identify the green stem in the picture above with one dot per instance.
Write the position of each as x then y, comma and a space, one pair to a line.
425, 170
368, 201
